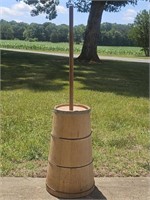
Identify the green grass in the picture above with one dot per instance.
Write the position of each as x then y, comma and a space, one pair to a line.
116, 91
64, 48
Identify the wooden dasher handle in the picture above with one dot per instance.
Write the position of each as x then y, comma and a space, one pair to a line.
71, 60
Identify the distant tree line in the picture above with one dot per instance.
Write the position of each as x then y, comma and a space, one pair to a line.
111, 34
116, 35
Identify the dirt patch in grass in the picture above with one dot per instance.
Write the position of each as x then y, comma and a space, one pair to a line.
36, 168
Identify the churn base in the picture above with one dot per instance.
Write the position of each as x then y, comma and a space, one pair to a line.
69, 195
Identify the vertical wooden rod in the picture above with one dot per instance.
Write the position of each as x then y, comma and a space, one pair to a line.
71, 61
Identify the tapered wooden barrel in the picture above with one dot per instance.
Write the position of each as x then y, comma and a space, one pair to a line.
70, 163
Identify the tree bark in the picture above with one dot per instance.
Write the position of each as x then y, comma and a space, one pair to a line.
146, 51
92, 33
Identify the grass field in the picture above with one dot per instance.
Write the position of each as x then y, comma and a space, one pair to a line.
64, 48
116, 91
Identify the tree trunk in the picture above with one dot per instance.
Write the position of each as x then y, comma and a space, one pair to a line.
92, 33
146, 51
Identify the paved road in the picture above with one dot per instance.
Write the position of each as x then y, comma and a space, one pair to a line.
140, 60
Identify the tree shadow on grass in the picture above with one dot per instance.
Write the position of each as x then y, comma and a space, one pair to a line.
123, 78
50, 73
33, 71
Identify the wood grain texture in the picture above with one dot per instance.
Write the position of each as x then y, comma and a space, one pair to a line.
70, 166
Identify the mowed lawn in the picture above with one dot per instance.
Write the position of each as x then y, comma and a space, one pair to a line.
116, 91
